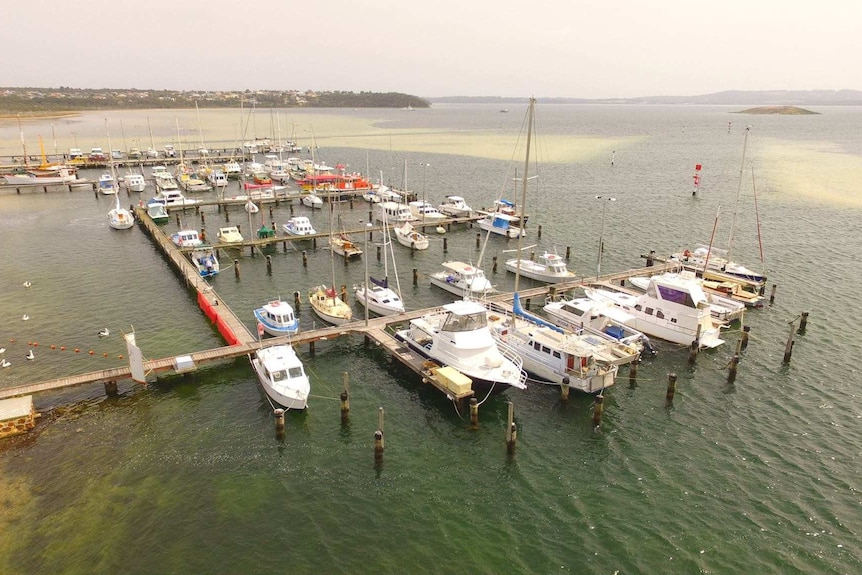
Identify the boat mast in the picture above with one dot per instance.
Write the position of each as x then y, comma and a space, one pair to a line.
524, 190
150, 128
23, 145
757, 217
738, 194
711, 239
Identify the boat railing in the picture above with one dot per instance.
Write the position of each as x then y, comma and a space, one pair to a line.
511, 355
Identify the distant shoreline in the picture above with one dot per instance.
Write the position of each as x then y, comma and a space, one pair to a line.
779, 110
47, 115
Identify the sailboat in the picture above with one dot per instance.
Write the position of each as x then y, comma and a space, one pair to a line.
378, 297
342, 244
551, 354
119, 218
324, 300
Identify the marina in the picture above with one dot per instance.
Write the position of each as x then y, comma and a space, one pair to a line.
725, 477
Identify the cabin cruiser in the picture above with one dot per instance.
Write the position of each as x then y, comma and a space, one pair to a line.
455, 206
462, 279
282, 376
551, 268
277, 318
298, 226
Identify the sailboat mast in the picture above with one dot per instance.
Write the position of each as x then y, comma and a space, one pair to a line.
524, 191
23, 145
738, 194
757, 217
711, 239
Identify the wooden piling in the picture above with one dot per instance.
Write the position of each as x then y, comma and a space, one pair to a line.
650, 261
743, 341
111, 388
478, 240
304, 259
269, 265
345, 397
236, 268
344, 293
270, 211
731, 369
291, 209
788, 347
474, 413
379, 251
494, 267
671, 389
803, 323
772, 294
445, 245
598, 410
633, 373
511, 429
568, 253
378, 436
311, 348
279, 422
539, 232
564, 389
297, 299
415, 277
203, 219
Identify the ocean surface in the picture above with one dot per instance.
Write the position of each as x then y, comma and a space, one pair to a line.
186, 474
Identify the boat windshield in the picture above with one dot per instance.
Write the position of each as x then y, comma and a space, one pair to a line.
295, 372
469, 322
278, 375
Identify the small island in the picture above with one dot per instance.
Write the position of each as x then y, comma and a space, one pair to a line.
782, 110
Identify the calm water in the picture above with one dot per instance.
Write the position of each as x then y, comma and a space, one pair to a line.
186, 475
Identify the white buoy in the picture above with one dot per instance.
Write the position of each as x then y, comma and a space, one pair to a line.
30, 355
104, 333
26, 317
2, 350
5, 363
27, 284
441, 230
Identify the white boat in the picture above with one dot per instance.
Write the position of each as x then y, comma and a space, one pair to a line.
107, 184
191, 183
205, 259
409, 237
171, 198
462, 280
229, 235
582, 313
551, 268
217, 178
328, 305
232, 170
343, 246
164, 180
455, 206
382, 193
673, 310
298, 226
282, 376
187, 239
120, 218
458, 336
63, 176
312, 201
702, 257
722, 308
251, 207
392, 212
501, 224
277, 318
375, 294
425, 212
135, 182
158, 213
581, 361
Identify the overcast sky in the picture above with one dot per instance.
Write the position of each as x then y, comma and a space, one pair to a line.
562, 48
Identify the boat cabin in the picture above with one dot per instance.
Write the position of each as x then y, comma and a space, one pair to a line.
393, 212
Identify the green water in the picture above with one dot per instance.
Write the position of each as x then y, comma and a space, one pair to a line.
186, 474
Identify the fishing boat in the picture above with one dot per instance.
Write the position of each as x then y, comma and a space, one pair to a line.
204, 258
501, 224
187, 239
722, 308
392, 212
312, 201
298, 226
551, 268
135, 182
409, 237
462, 279
375, 294
282, 376
671, 309
229, 235
455, 206
107, 184
158, 213
425, 212
277, 318
582, 313
458, 336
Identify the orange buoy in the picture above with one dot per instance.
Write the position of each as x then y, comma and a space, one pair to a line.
35, 344
53, 346
120, 356
91, 352
62, 348
77, 350
105, 354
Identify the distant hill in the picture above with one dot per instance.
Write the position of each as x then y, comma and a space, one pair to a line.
728, 98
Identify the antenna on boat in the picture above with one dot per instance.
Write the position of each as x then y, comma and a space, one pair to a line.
738, 193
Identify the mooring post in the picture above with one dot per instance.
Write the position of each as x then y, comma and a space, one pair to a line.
111, 388
494, 267
511, 429
270, 211
744, 339
694, 348
671, 389
564, 389
650, 260
345, 397
379, 250
178, 220
598, 410
279, 422
474, 413
478, 240
304, 259
344, 293
236, 268
568, 253
788, 347
415, 277
803, 323
297, 299
539, 232
633, 373
291, 208
772, 294
311, 348
203, 219
378, 436
445, 245
269, 265
731, 369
